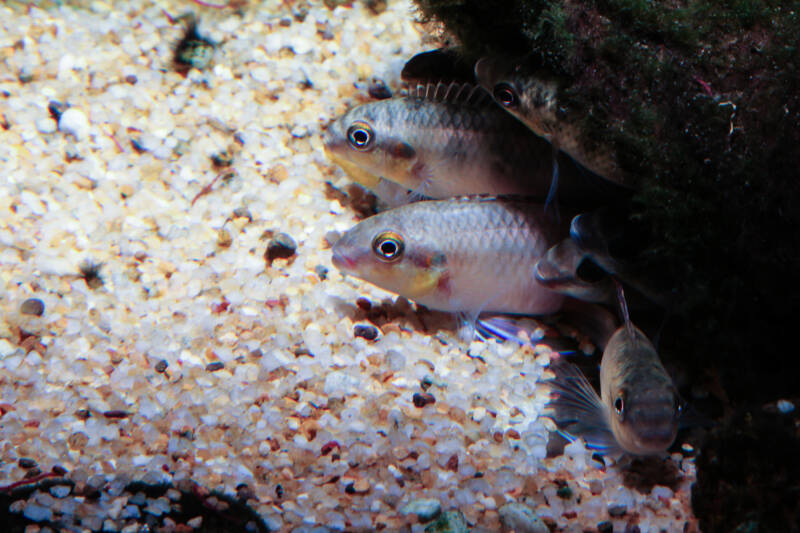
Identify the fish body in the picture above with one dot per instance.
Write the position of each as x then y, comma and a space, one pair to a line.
638, 408
451, 140
533, 97
468, 254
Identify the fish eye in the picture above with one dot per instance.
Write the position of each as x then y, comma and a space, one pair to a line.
360, 136
619, 405
388, 246
505, 95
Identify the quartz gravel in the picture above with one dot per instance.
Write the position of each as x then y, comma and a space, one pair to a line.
143, 336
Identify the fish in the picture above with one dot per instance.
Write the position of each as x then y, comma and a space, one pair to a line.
532, 95
618, 246
445, 140
638, 409
465, 255
567, 269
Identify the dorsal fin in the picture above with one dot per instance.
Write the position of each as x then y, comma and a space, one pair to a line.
454, 93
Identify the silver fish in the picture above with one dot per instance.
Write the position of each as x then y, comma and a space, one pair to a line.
449, 140
468, 254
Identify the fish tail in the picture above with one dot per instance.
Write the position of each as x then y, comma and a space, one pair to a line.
577, 410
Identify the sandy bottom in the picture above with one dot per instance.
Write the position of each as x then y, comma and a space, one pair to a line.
147, 334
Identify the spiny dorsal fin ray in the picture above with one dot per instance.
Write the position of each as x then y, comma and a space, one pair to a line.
455, 93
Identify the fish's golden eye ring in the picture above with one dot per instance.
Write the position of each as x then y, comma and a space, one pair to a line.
360, 136
505, 95
388, 246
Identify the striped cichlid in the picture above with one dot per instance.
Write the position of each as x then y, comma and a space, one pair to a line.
467, 254
450, 140
532, 97
638, 408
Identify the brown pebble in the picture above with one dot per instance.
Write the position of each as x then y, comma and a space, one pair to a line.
512, 434
116, 413
224, 238
498, 436
361, 485
131, 79
422, 399
59, 470
364, 304
216, 365
32, 306
281, 246
77, 440
452, 463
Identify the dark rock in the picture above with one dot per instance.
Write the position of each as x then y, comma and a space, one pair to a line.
32, 306
365, 331
422, 399
281, 246
216, 365
25, 462
161, 366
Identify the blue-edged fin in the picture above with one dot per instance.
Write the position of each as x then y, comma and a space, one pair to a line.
517, 329
577, 410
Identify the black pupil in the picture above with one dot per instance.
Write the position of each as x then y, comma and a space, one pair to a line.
505, 95
618, 404
360, 137
388, 248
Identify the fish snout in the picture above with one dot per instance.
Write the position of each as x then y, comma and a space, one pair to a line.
655, 425
342, 260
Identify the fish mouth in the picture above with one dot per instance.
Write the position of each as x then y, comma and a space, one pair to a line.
342, 261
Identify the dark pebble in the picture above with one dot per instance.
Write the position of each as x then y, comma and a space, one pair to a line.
364, 304
281, 246
59, 470
321, 271
422, 399
244, 492
116, 413
25, 462
56, 109
243, 212
33, 472
565, 493
350, 489
279, 491
161, 366
213, 367
365, 331
32, 306
605, 527
617, 510
222, 159
379, 90
131, 79
82, 414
